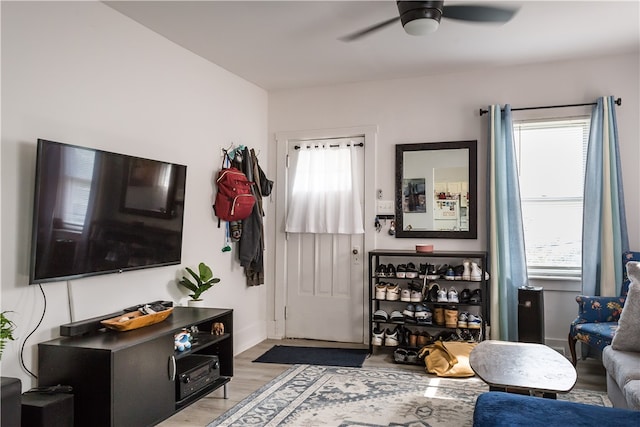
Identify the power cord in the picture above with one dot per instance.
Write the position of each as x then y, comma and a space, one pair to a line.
44, 310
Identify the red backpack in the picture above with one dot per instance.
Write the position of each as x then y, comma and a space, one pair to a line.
234, 200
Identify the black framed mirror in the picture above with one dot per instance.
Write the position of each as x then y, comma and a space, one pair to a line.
436, 190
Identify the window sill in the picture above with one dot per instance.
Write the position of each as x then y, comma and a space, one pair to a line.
556, 283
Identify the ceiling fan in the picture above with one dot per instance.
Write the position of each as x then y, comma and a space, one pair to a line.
423, 17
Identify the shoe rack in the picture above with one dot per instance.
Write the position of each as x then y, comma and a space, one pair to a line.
378, 307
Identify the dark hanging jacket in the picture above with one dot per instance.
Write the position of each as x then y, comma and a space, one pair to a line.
251, 244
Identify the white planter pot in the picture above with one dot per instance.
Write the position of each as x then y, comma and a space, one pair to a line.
195, 303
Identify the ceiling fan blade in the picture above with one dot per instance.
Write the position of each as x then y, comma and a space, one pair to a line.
479, 13
369, 30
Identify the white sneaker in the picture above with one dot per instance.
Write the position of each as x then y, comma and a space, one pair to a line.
466, 274
442, 296
378, 337
393, 292
380, 316
391, 338
452, 296
474, 322
476, 273
405, 295
381, 291
416, 296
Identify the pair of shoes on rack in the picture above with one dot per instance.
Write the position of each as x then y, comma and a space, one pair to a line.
387, 291
419, 339
428, 271
408, 271
466, 320
396, 316
465, 296
402, 355
385, 270
386, 337
450, 296
411, 295
380, 316
472, 271
470, 321
423, 315
432, 273
417, 314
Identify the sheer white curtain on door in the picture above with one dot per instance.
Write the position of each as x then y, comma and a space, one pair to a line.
326, 189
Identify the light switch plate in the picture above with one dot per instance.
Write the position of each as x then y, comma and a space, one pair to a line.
385, 207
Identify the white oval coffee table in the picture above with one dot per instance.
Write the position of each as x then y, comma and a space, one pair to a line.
524, 368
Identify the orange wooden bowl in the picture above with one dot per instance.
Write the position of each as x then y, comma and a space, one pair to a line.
135, 320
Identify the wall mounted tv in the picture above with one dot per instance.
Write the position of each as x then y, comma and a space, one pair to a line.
97, 212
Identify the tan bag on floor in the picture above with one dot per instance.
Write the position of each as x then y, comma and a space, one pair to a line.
449, 359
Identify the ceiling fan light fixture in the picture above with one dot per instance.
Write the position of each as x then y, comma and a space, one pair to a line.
421, 27
420, 17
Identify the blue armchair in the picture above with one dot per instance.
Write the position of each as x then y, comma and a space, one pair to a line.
598, 317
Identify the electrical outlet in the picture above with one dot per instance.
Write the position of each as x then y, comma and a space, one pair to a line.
385, 207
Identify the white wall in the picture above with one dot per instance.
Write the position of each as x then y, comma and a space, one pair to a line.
81, 73
445, 108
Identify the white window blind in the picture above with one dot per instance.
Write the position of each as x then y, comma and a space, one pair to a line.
551, 158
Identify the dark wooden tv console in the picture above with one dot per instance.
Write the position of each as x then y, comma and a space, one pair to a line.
131, 378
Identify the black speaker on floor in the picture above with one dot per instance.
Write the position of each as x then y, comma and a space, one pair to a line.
47, 409
530, 314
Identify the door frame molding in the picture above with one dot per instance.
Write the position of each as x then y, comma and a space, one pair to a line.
276, 327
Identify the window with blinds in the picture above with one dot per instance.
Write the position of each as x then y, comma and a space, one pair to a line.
551, 156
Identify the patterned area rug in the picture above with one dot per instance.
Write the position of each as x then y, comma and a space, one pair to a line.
306, 396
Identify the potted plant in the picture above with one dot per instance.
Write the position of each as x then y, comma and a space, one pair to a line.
6, 330
204, 280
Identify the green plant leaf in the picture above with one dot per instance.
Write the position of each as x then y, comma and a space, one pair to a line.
188, 284
195, 276
205, 272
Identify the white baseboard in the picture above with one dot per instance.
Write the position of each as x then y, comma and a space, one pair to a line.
561, 346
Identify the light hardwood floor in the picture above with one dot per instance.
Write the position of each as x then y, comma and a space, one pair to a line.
248, 377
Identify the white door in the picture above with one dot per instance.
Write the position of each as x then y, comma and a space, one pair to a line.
324, 281
323, 275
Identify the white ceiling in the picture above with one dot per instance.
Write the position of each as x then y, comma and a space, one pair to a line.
291, 44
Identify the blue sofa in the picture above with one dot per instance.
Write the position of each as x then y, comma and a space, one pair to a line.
498, 409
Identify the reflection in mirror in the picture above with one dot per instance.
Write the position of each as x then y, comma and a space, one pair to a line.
436, 190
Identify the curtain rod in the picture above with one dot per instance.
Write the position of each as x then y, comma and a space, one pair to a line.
617, 102
297, 147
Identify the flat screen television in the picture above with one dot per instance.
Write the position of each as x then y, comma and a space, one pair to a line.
98, 212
